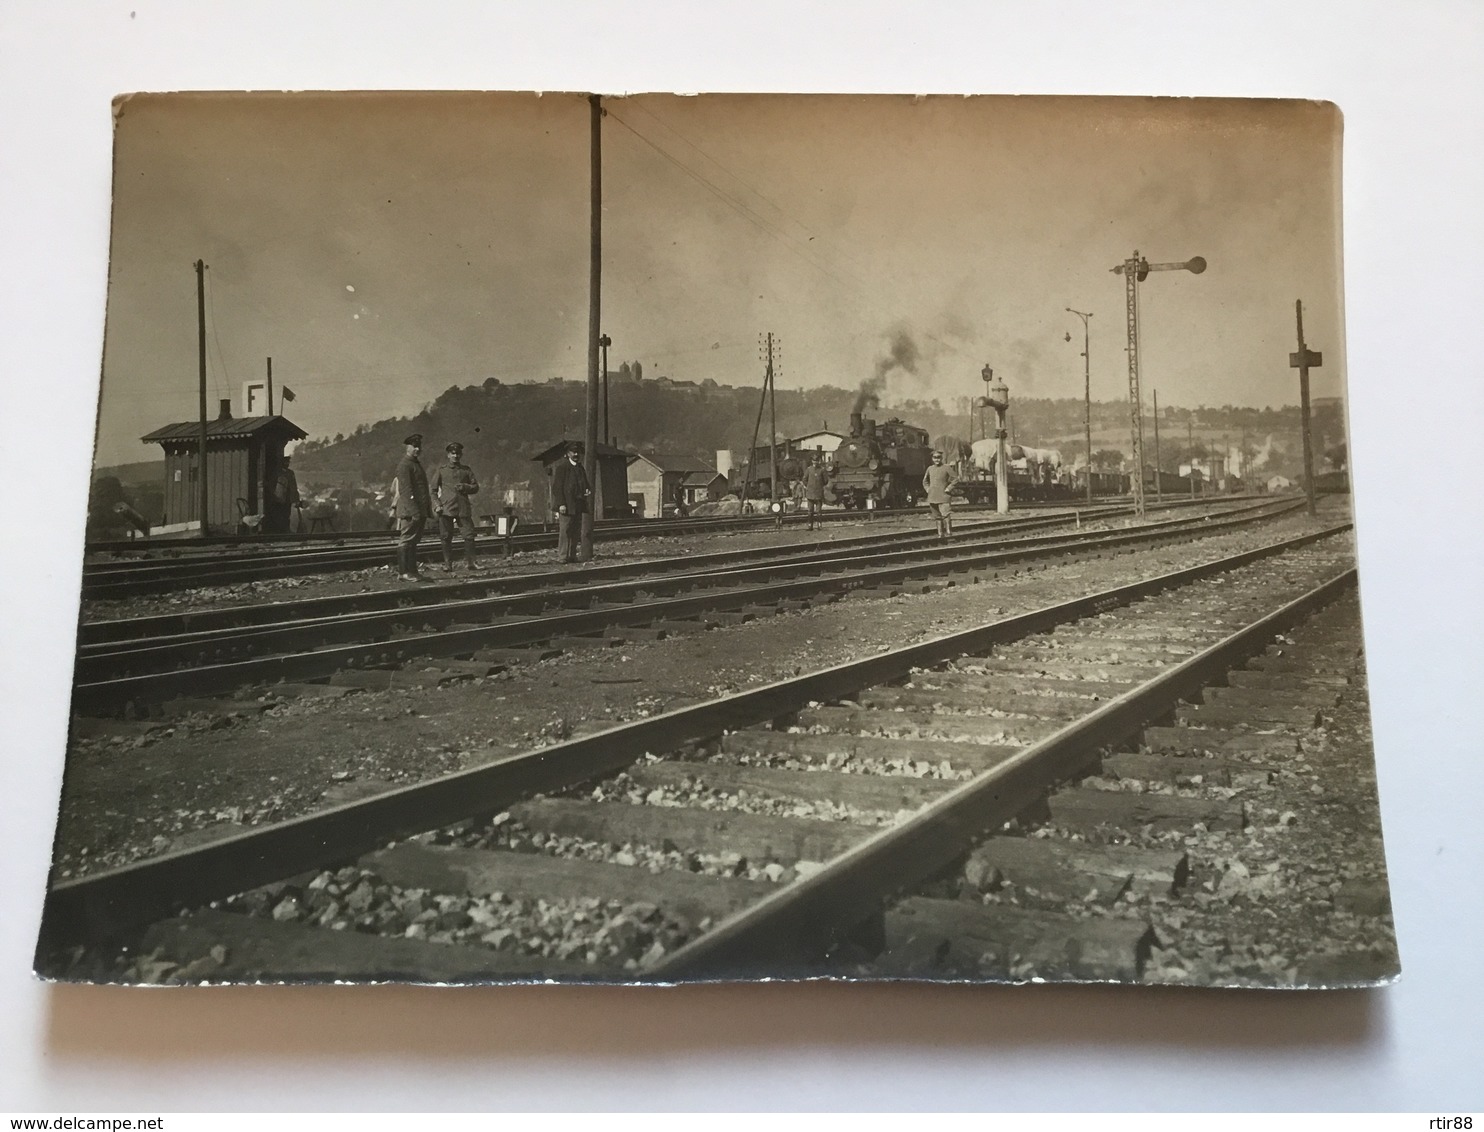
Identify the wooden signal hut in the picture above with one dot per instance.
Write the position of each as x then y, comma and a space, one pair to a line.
244, 459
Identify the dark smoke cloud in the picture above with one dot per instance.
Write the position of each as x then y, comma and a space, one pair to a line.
902, 354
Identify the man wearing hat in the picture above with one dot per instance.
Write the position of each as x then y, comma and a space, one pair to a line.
570, 495
414, 508
453, 484
938, 481
815, 479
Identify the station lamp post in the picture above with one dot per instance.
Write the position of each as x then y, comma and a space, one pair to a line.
604, 342
1135, 270
1086, 388
998, 399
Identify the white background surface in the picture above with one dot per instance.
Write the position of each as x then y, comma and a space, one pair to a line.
1407, 79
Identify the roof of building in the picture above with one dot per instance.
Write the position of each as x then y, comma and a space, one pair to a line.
702, 479
560, 446
188, 431
671, 463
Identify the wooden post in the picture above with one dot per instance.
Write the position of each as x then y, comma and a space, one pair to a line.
1135, 398
1157, 464
594, 304
1302, 361
270, 387
1190, 448
201, 358
772, 427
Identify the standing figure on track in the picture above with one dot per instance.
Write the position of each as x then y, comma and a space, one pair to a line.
414, 508
815, 478
938, 481
571, 495
453, 484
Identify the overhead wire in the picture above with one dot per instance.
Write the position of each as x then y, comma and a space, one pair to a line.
858, 285
216, 341
742, 209
746, 184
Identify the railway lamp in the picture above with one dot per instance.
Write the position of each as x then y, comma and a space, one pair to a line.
1135, 270
505, 524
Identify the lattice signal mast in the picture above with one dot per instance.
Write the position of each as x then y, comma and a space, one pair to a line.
1135, 270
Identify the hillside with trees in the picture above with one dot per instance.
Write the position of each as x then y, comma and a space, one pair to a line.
503, 426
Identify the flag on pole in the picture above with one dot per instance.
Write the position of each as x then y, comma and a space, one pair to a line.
288, 395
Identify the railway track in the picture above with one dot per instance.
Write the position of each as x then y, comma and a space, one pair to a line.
258, 613
476, 634
226, 563
812, 826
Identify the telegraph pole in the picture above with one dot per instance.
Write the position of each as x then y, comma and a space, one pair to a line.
1190, 446
201, 358
594, 310
1158, 493
1086, 389
1134, 271
772, 426
270, 387
1303, 361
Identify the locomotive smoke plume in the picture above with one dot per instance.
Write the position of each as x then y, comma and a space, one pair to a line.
902, 354
1262, 455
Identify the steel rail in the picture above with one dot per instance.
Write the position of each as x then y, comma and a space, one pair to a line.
225, 567
808, 918
513, 597
101, 905
95, 633
290, 541
124, 579
97, 693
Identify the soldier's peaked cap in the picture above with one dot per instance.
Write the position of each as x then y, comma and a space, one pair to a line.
453, 446
415, 438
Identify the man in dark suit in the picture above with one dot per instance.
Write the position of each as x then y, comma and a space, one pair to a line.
571, 496
414, 508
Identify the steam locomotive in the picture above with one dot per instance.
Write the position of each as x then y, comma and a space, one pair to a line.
883, 464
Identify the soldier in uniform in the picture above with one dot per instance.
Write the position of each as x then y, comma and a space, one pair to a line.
570, 496
453, 484
815, 477
938, 481
414, 508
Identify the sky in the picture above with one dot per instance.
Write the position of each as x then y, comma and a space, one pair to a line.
384, 247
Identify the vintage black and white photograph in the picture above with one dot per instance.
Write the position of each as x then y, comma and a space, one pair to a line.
658, 538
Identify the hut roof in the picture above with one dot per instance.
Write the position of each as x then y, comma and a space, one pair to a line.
224, 427
556, 450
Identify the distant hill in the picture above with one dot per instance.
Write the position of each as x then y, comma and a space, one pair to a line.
141, 472
503, 426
